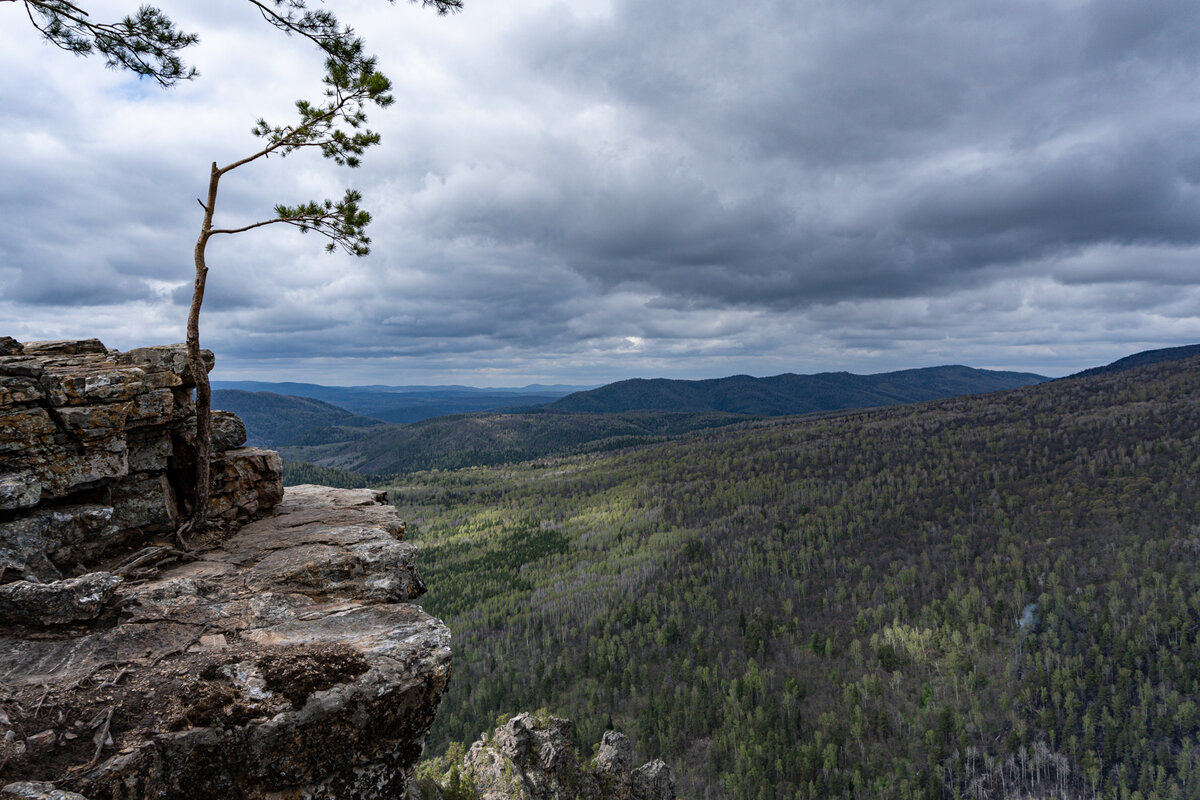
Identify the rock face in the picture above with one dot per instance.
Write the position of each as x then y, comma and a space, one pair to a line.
530, 757
96, 453
284, 662
280, 658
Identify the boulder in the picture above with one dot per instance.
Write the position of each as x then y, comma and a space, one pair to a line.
56, 603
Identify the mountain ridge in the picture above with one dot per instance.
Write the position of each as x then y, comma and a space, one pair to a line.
789, 393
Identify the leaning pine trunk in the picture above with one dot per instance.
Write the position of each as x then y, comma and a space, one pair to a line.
199, 519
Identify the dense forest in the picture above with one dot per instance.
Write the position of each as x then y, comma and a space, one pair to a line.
980, 597
462, 440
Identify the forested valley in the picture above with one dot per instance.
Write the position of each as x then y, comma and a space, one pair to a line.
983, 597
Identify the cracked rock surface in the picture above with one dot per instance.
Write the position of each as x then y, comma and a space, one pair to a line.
286, 661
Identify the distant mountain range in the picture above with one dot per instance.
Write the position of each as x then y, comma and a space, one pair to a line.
793, 394
407, 403
276, 419
384, 430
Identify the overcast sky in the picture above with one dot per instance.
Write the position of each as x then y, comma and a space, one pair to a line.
583, 191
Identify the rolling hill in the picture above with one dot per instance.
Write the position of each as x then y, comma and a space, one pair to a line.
273, 420
793, 394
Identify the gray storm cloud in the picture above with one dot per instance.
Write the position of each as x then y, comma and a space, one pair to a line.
598, 190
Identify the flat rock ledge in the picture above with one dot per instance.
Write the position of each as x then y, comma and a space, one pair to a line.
285, 662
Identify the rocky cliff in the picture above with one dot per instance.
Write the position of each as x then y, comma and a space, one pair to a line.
279, 658
530, 757
96, 454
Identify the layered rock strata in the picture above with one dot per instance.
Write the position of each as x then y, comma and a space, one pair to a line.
96, 452
531, 757
286, 661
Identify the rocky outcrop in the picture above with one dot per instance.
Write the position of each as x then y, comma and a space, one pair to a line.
531, 757
284, 662
96, 453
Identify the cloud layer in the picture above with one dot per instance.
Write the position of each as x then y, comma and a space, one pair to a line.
585, 191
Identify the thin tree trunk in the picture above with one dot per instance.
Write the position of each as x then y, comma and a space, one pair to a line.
199, 519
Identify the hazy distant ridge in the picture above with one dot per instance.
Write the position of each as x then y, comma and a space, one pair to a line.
409, 403
793, 394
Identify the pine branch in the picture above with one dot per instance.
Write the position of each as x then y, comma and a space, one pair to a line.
343, 223
146, 43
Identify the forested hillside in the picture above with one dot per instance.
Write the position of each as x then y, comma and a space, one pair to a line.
976, 597
464, 440
793, 394
273, 420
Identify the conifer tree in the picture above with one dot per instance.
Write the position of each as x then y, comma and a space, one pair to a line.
148, 44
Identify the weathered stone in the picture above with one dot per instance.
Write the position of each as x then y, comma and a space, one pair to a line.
228, 431
95, 422
166, 365
653, 781
10, 346
152, 407
27, 366
70, 383
530, 757
145, 500
24, 429
33, 544
15, 390
313, 693
149, 450
19, 490
63, 469
65, 347
613, 766
246, 483
26, 790
58, 602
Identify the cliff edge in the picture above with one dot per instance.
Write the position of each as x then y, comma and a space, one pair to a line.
281, 658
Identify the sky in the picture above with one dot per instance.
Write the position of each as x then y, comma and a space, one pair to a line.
579, 192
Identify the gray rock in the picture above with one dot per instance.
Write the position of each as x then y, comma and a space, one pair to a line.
165, 365
263, 687
149, 450
10, 346
15, 390
65, 347
59, 602
26, 790
228, 431
653, 781
19, 490
145, 500
21, 365
530, 758
32, 544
